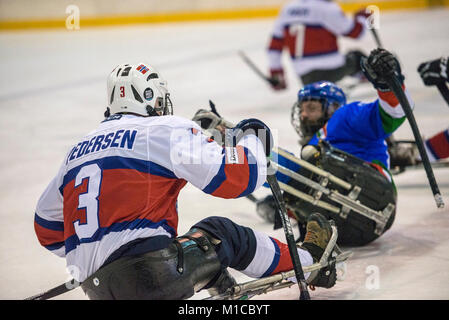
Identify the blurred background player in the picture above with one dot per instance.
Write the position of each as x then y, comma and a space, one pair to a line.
309, 29
322, 117
436, 73
112, 211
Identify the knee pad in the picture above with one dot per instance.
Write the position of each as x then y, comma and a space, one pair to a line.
238, 243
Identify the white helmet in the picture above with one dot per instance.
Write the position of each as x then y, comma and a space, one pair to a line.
138, 89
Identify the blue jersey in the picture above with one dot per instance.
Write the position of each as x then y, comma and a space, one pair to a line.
356, 128
359, 129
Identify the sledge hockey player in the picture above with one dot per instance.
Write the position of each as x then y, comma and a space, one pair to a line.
112, 211
309, 30
434, 73
347, 140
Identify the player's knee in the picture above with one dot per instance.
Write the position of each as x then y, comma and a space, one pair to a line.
237, 243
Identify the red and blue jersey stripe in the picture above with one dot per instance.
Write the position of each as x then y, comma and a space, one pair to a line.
281, 261
51, 233
235, 180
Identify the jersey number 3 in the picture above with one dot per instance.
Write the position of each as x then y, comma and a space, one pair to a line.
88, 200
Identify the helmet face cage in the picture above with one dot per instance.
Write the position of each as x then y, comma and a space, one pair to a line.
163, 106
168, 105
306, 129
295, 117
331, 98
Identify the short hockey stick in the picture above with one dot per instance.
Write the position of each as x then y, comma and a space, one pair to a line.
396, 88
297, 267
251, 64
444, 91
56, 291
376, 37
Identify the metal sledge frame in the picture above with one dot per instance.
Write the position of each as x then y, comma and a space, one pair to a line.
247, 290
348, 202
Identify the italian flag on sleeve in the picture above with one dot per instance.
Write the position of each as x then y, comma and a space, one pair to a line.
322, 133
379, 166
391, 112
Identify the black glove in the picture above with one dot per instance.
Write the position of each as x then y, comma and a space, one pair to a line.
278, 81
252, 126
379, 66
207, 119
212, 122
434, 72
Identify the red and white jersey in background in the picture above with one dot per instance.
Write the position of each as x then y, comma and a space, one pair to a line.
309, 29
121, 183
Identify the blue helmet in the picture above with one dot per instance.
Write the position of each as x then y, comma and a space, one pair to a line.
325, 91
329, 94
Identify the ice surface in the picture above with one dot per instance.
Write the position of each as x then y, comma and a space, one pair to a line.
53, 91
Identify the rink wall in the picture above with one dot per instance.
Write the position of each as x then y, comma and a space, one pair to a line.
32, 14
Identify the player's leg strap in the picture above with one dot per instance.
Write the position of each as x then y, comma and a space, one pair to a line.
187, 265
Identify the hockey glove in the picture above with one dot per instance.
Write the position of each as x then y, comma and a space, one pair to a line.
278, 79
434, 72
207, 119
251, 126
380, 65
365, 13
211, 122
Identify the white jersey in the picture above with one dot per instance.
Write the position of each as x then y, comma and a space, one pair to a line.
121, 183
309, 29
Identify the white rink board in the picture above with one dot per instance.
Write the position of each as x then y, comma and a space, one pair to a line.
53, 91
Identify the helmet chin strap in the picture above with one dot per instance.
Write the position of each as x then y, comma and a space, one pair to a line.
151, 111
